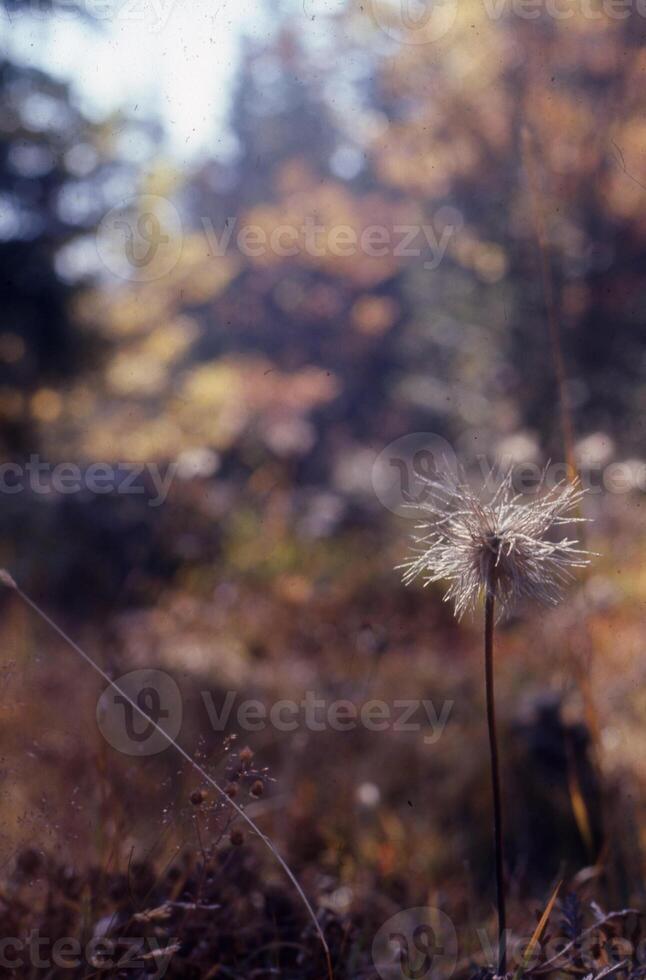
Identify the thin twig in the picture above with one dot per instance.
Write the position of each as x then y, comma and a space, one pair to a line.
8, 580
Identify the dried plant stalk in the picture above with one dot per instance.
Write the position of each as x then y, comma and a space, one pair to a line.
498, 549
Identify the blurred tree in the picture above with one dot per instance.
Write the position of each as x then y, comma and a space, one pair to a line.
367, 263
55, 173
528, 128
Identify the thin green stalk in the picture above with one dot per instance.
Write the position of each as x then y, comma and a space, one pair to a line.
495, 782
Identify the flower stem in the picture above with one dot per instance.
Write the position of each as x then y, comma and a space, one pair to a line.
495, 781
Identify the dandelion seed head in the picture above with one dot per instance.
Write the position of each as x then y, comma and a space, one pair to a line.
500, 545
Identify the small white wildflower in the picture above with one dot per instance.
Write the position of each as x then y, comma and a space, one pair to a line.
499, 546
